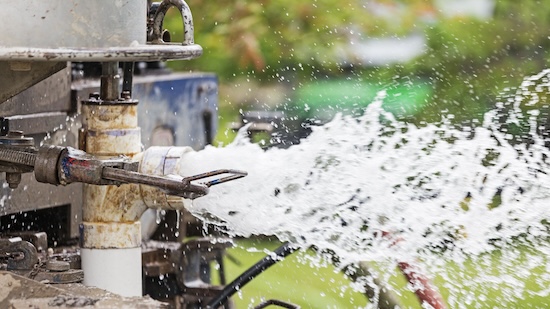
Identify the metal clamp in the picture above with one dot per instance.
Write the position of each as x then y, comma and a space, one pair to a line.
158, 20
22, 254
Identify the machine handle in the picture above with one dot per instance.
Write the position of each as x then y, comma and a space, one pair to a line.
173, 185
158, 20
235, 174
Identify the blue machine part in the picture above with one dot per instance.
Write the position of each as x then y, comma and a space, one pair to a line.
177, 109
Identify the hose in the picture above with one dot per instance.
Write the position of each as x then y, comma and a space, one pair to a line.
251, 273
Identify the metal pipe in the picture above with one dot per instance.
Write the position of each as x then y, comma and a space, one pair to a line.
111, 231
110, 80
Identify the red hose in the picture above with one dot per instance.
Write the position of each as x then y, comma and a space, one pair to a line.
423, 289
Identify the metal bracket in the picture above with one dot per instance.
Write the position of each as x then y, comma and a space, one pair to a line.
158, 20
22, 254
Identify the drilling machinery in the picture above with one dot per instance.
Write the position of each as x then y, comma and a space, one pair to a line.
75, 77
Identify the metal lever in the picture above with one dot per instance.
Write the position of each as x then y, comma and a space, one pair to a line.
173, 185
236, 175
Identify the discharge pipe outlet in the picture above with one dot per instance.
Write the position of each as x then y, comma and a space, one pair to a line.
111, 228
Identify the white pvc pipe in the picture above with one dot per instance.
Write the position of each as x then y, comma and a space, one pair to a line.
115, 270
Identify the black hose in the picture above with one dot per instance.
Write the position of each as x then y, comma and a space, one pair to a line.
251, 273
275, 302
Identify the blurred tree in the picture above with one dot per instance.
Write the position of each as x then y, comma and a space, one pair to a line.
266, 37
471, 61
468, 61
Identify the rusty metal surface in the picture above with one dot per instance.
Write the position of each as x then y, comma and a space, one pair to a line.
15, 140
102, 235
112, 203
101, 115
168, 117
75, 165
114, 142
164, 161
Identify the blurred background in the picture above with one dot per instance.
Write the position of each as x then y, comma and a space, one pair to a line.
302, 62
312, 59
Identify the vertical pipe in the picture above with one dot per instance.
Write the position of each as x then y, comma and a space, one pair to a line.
110, 234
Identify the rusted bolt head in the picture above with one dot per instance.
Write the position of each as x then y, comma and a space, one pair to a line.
13, 179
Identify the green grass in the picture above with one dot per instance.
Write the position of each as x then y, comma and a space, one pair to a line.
290, 280
226, 115
297, 282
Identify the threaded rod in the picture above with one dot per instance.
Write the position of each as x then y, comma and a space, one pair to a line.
17, 157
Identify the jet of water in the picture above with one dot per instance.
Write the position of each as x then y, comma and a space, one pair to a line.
376, 189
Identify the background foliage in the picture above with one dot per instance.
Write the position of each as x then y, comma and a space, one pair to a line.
468, 61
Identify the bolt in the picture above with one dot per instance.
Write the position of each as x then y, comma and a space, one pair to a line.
13, 179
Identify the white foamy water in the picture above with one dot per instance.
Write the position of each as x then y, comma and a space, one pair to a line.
351, 180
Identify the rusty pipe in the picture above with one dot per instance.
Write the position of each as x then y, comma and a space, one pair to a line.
110, 233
